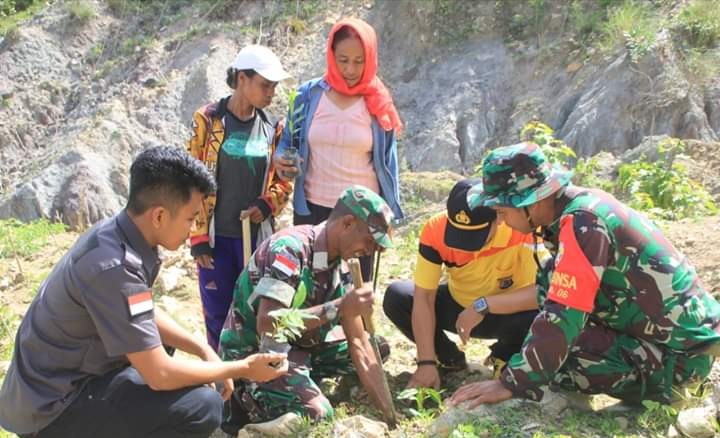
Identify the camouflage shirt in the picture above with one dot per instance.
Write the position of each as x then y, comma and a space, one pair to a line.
291, 267
613, 267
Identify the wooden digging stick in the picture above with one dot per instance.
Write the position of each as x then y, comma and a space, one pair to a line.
247, 239
389, 411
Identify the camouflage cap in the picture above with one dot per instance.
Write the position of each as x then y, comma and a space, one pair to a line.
517, 176
370, 208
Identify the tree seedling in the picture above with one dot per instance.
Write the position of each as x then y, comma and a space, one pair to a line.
420, 396
288, 326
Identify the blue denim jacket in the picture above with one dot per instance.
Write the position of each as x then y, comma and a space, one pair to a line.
385, 159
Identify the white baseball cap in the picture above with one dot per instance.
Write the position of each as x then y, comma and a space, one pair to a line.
262, 60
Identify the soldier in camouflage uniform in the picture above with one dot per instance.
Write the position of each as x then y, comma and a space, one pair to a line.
623, 312
300, 267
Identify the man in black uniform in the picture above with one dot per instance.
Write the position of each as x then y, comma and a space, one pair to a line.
89, 358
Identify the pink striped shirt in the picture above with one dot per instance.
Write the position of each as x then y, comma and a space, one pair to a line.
340, 153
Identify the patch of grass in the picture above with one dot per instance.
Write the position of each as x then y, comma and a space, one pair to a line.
633, 25
452, 20
585, 21
699, 21
22, 240
12, 12
657, 417
105, 68
80, 11
702, 65
131, 44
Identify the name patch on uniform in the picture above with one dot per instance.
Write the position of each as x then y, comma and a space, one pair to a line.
140, 303
574, 281
284, 264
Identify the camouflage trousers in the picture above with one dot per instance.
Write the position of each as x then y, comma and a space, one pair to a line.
298, 390
603, 360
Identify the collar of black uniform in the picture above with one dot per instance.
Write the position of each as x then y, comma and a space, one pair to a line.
136, 240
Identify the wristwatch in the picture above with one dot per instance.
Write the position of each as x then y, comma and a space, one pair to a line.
330, 311
481, 306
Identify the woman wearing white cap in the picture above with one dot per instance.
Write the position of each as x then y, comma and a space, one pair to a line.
235, 139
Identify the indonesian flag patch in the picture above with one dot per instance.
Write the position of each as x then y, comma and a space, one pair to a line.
140, 303
285, 264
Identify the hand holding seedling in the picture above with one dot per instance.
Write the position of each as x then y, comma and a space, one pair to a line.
265, 366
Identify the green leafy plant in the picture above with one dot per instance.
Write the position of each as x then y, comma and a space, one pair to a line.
699, 21
288, 324
12, 12
420, 396
663, 188
657, 417
480, 428
631, 24
80, 11
295, 116
555, 150
586, 174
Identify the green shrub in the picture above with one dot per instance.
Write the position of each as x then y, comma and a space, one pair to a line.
18, 239
700, 22
664, 188
585, 175
702, 65
633, 25
12, 7
585, 21
13, 12
80, 11
556, 151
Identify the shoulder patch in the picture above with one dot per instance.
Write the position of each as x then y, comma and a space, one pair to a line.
574, 281
286, 263
140, 303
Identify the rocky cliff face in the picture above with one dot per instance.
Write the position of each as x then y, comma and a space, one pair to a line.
81, 99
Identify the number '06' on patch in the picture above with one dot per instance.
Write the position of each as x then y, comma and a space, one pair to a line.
140, 303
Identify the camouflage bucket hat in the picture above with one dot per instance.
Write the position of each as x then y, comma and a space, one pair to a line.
370, 208
517, 176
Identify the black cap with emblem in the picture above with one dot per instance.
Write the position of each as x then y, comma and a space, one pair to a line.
467, 229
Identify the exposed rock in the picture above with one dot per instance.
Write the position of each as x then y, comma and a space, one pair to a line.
283, 426
622, 422
358, 426
169, 278
697, 422
83, 92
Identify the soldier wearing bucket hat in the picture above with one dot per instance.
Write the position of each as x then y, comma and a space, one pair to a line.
300, 267
640, 323
489, 294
